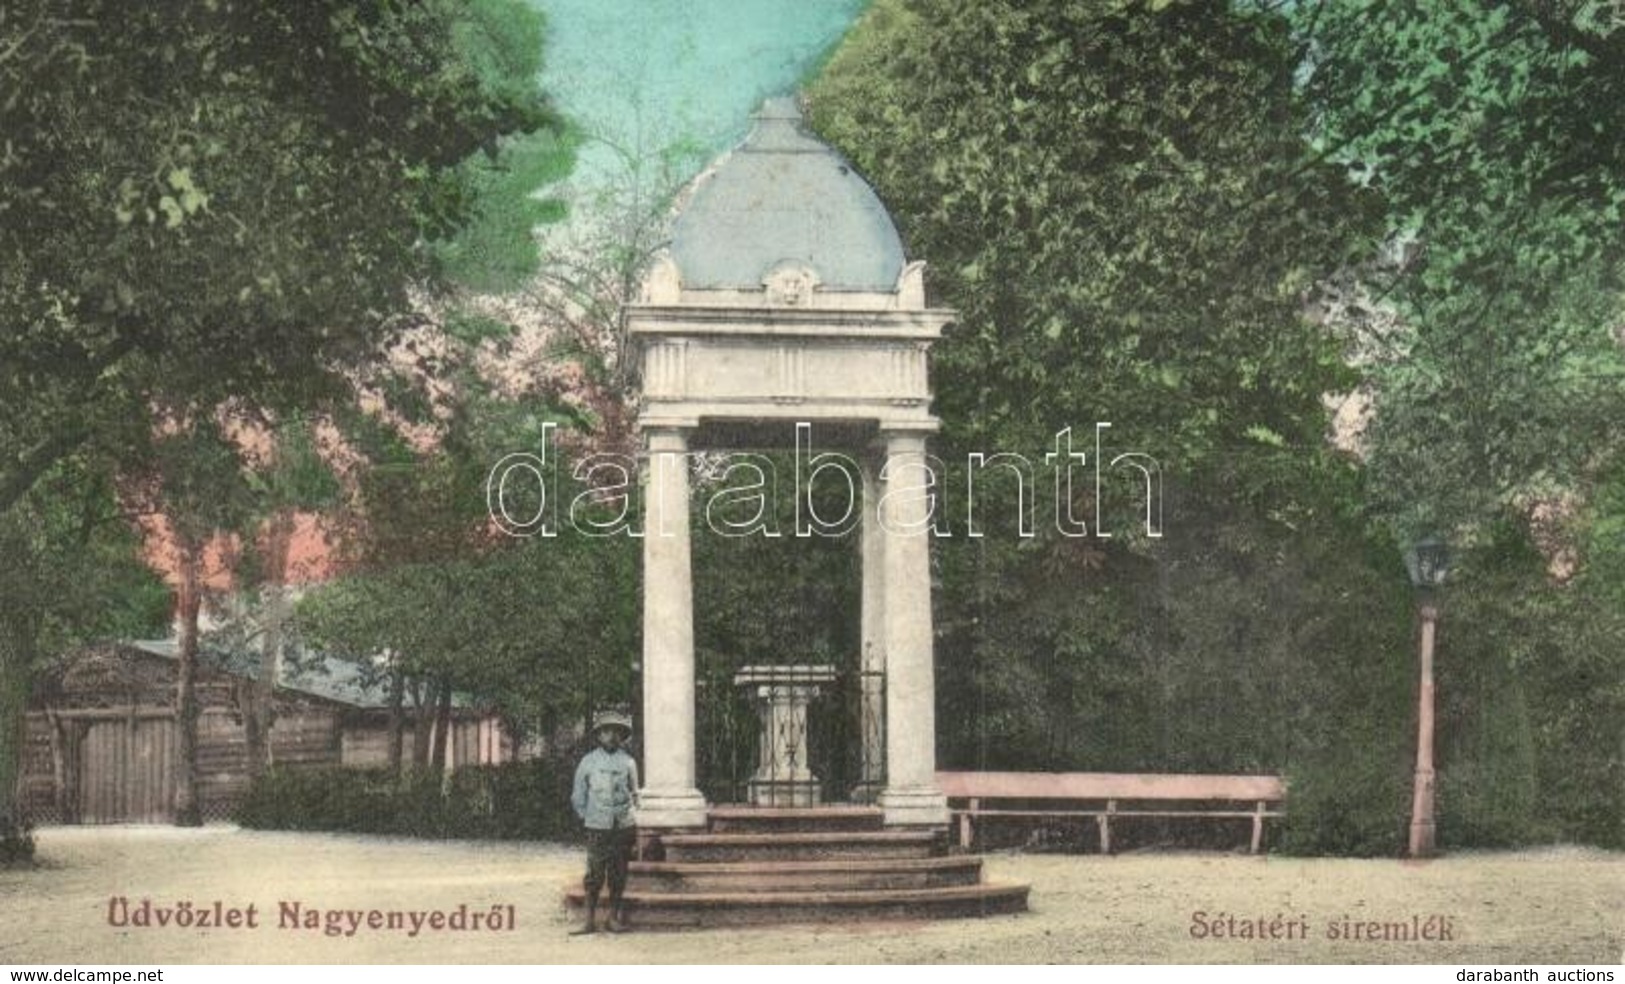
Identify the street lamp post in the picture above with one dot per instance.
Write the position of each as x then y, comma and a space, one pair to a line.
1428, 561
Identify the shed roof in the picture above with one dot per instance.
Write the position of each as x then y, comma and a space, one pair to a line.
330, 679
313, 674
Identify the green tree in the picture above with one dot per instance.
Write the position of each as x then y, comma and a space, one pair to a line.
436, 599
290, 478
533, 627
1120, 201
1492, 133
196, 482
1117, 202
218, 206
215, 202
70, 570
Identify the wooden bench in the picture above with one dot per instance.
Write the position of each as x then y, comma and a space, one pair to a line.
1106, 796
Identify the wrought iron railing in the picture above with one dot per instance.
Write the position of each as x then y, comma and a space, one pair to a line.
842, 745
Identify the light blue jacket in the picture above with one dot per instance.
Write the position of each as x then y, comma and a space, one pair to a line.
606, 788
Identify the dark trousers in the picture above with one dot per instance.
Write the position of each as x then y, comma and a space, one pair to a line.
608, 852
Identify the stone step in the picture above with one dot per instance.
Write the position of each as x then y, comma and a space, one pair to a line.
670, 911
775, 819
803, 846
665, 877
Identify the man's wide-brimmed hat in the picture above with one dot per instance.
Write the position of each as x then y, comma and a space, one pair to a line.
612, 719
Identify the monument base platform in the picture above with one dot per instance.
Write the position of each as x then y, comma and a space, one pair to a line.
659, 810
803, 793
767, 865
910, 807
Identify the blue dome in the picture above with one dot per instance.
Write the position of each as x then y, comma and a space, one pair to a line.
785, 196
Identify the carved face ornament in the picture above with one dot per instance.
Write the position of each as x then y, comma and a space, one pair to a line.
790, 286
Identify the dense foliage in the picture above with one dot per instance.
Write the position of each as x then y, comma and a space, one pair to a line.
1495, 368
69, 571
1492, 135
1192, 219
213, 212
519, 800
213, 203
1116, 202
432, 598
545, 629
1134, 207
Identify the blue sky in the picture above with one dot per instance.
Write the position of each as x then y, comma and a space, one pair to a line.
645, 74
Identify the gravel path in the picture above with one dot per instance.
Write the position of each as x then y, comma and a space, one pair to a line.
1557, 905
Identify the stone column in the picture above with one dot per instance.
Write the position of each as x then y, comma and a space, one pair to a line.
872, 655
669, 797
911, 795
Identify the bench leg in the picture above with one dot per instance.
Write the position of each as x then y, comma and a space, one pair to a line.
1258, 828
965, 832
1105, 825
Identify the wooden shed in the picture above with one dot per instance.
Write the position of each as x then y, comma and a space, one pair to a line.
102, 736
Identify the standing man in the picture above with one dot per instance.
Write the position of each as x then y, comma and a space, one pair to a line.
606, 789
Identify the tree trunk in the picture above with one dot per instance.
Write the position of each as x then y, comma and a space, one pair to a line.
188, 812
59, 766
442, 726
259, 715
397, 695
16, 662
421, 703
73, 738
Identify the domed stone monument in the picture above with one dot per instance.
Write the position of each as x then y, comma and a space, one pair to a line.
785, 299
785, 304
